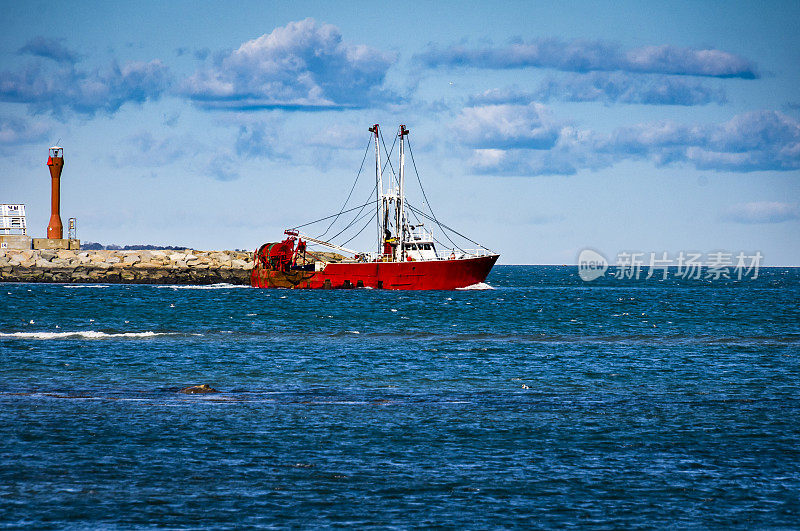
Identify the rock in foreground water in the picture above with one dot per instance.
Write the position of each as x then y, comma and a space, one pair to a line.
198, 390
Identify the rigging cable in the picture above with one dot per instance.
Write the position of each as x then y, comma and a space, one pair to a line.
369, 222
443, 226
368, 213
331, 216
366, 152
356, 218
389, 157
424, 196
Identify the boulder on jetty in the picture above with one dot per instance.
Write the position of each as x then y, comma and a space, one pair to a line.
198, 390
135, 267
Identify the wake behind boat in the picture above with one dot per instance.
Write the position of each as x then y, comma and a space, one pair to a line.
408, 255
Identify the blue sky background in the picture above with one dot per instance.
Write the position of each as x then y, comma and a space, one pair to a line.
538, 130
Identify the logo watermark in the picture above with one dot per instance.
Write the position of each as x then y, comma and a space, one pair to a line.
591, 265
687, 265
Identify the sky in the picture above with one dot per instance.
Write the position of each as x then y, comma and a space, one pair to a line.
537, 129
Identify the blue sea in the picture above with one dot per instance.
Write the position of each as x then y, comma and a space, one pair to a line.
543, 402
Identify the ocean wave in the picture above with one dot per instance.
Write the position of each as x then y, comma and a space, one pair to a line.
222, 285
75, 286
478, 286
85, 334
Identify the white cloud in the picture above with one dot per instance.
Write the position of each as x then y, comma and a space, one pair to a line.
47, 89
303, 65
588, 56
50, 49
608, 88
507, 127
763, 212
15, 132
755, 141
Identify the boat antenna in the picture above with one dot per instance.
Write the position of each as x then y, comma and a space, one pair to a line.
375, 129
401, 199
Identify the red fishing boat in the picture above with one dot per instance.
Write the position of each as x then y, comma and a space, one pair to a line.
408, 256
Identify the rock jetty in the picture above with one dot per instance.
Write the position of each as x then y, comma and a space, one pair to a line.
126, 267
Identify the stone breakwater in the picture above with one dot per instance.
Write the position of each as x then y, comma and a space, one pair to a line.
130, 267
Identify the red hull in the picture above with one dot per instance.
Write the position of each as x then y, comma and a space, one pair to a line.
422, 275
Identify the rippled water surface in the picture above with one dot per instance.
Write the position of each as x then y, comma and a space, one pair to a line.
545, 402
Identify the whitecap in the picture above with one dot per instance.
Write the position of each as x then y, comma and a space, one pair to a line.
478, 286
75, 286
85, 334
222, 285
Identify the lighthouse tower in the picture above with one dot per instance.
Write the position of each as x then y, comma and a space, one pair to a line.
55, 161
55, 229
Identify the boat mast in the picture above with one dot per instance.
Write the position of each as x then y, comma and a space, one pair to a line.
401, 198
379, 186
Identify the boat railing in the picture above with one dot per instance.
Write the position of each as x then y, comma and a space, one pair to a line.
460, 254
441, 254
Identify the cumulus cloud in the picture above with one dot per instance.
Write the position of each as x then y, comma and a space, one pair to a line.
763, 212
621, 87
608, 88
755, 141
502, 96
49, 49
507, 127
340, 136
59, 89
273, 139
521, 162
588, 56
303, 65
15, 132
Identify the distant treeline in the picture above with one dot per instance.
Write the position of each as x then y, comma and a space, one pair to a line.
94, 246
